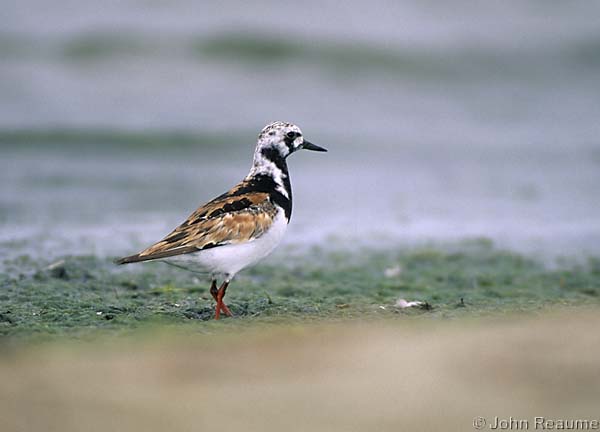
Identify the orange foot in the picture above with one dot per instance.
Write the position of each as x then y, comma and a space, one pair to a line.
218, 295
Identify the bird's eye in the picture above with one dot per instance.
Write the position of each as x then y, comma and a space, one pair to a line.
292, 135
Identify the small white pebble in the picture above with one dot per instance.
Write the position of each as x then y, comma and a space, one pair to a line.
392, 272
55, 265
382, 307
401, 303
98, 313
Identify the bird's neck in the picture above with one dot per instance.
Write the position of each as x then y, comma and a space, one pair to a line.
270, 169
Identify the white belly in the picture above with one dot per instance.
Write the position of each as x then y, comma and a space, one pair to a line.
230, 259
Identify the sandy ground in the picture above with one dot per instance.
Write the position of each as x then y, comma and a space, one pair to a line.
345, 377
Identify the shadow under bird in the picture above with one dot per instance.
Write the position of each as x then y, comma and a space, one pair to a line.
242, 226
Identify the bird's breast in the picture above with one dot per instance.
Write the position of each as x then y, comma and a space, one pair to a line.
230, 259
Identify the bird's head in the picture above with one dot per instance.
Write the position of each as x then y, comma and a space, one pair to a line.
282, 139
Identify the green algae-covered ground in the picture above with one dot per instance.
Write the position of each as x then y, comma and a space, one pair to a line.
79, 296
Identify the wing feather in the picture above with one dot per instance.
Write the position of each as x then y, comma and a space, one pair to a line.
228, 219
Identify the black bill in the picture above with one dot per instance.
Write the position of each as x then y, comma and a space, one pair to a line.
310, 146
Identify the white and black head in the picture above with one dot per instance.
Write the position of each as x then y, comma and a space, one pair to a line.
281, 139
269, 171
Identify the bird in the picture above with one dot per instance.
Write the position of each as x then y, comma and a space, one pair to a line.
242, 226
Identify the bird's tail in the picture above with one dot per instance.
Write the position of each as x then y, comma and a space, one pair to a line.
130, 259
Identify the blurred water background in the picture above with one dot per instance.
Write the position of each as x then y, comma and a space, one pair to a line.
444, 120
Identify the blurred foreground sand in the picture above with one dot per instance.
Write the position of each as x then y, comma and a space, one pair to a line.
346, 377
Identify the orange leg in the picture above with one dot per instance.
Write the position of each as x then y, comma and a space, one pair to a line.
218, 295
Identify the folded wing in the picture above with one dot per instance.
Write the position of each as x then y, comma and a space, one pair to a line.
229, 219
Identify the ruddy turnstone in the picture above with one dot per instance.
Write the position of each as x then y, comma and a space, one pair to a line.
242, 226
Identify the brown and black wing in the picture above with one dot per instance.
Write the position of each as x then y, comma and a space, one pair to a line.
229, 219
